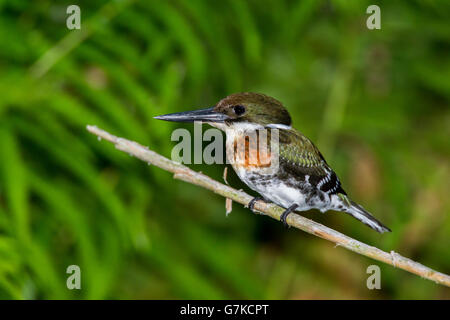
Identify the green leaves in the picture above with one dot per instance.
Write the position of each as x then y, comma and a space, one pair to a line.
66, 198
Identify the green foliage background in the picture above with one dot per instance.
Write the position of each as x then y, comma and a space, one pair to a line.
376, 102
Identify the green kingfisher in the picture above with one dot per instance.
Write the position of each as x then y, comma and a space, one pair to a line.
303, 180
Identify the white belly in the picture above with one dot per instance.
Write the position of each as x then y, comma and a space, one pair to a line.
278, 192
286, 196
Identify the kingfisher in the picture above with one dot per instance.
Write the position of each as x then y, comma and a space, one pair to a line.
302, 179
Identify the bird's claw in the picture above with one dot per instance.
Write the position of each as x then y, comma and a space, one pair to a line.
283, 219
286, 213
251, 204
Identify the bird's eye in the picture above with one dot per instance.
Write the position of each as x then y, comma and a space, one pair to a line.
239, 110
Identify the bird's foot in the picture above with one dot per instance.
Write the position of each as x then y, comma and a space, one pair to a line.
286, 213
251, 204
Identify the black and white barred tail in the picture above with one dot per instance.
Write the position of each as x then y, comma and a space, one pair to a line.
343, 203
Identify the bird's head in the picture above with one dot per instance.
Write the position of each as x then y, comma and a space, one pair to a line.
239, 110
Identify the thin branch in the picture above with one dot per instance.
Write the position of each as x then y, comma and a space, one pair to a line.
182, 172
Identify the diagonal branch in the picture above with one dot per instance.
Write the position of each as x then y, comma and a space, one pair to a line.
182, 172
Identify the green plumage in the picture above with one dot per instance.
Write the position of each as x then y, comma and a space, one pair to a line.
297, 148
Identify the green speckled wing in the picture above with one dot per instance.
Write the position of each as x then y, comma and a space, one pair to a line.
297, 148
299, 157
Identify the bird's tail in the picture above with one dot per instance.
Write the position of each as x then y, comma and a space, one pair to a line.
342, 203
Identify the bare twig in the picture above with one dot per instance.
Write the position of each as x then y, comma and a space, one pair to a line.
228, 206
182, 172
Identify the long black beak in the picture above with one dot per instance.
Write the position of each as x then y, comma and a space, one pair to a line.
205, 115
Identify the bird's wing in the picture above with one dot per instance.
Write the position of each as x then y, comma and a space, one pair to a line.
301, 159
